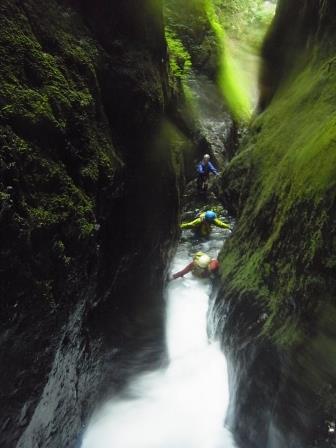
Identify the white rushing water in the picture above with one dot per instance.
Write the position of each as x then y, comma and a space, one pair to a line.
183, 405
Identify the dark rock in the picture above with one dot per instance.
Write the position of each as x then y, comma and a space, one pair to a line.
84, 92
278, 281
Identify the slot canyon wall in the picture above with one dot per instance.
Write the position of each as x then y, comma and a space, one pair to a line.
89, 202
276, 304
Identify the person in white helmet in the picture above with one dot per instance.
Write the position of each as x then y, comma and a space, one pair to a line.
202, 266
204, 168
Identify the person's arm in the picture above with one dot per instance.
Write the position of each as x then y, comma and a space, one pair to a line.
221, 224
191, 225
184, 271
200, 168
213, 169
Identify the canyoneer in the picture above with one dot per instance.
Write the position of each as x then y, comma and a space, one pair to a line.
202, 224
204, 168
202, 266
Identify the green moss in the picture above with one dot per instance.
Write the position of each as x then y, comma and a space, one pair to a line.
189, 23
4, 196
281, 251
56, 152
300, 144
179, 58
289, 334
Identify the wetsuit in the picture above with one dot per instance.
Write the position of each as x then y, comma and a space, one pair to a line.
199, 267
206, 168
203, 227
203, 170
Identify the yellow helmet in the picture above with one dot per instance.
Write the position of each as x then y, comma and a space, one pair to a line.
201, 259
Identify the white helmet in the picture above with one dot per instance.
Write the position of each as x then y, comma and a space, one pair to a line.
206, 157
201, 260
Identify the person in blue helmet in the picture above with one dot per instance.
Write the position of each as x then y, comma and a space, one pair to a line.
204, 168
202, 224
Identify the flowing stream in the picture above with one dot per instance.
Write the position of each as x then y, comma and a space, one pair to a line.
184, 404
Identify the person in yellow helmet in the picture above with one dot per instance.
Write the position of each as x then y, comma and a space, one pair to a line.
202, 266
202, 224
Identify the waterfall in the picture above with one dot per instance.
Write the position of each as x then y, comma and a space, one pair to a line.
185, 403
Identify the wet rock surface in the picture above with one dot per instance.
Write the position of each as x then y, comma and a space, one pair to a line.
277, 290
84, 89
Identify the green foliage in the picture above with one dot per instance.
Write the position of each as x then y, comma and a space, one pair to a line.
179, 58
218, 38
188, 22
246, 20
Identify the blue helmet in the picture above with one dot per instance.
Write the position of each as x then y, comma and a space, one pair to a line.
210, 216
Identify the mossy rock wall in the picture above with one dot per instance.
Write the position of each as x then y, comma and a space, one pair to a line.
88, 202
188, 22
289, 38
278, 268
